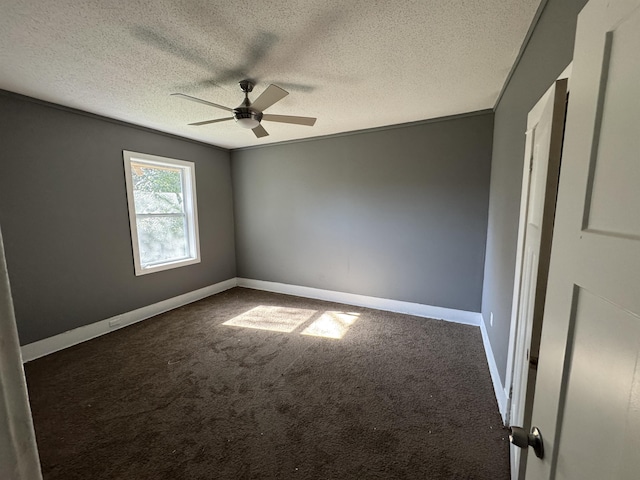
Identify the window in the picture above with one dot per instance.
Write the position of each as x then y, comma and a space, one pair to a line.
161, 193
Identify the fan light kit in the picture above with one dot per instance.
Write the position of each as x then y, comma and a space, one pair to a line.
249, 115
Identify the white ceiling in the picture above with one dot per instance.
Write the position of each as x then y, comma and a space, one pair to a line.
352, 64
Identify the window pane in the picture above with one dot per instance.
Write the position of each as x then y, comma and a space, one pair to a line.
161, 195
157, 189
162, 239
160, 202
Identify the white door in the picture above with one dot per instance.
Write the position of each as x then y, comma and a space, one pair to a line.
545, 127
587, 400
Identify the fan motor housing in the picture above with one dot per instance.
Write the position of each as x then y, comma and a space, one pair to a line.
247, 117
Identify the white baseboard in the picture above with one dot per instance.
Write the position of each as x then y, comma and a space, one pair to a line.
500, 391
73, 337
417, 309
87, 332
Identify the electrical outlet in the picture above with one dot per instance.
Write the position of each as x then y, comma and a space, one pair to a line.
115, 322
491, 319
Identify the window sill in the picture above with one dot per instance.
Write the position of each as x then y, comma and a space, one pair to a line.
142, 270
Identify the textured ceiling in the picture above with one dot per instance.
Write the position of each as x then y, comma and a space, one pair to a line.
352, 64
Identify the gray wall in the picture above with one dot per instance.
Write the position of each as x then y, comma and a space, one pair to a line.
63, 212
398, 213
549, 51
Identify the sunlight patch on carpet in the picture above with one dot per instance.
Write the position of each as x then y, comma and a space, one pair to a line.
277, 319
331, 325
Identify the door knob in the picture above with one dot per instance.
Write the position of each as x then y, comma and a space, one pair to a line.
520, 438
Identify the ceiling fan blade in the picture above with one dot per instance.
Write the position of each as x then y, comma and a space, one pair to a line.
206, 122
260, 131
310, 121
271, 95
194, 99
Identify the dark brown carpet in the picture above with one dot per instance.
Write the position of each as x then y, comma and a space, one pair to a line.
183, 396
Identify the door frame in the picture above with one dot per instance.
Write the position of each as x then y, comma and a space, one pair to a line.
512, 377
18, 449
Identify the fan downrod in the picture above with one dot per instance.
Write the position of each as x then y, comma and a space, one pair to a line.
244, 115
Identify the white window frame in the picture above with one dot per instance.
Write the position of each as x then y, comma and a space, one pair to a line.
190, 207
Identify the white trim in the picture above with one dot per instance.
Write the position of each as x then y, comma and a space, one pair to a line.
19, 458
517, 277
532, 120
87, 332
499, 390
417, 309
189, 196
73, 337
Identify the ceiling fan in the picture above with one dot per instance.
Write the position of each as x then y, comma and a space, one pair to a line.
248, 114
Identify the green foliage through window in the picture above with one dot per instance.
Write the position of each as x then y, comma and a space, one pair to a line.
159, 205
